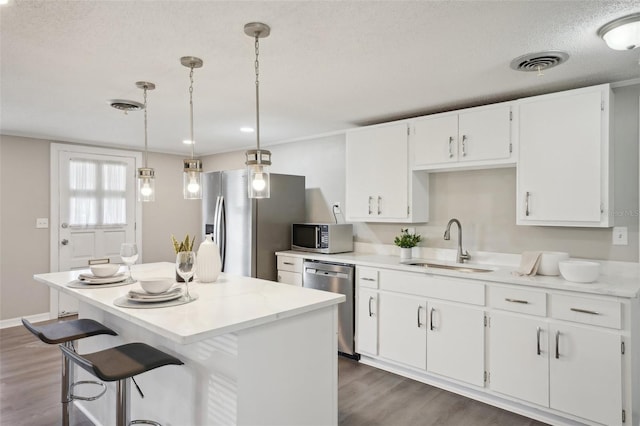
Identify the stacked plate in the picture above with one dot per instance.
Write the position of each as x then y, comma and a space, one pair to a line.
144, 297
92, 279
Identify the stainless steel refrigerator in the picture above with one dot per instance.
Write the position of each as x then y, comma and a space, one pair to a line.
250, 231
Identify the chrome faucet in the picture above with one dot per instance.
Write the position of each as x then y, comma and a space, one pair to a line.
462, 254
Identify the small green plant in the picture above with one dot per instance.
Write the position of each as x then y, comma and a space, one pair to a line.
406, 240
186, 245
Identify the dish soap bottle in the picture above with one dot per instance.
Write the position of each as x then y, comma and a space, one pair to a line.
209, 265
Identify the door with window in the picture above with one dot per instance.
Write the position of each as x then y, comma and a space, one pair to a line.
94, 197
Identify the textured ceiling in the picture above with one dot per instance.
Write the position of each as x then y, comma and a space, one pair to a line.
327, 65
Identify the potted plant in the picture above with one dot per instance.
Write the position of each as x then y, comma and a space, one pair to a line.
185, 245
406, 242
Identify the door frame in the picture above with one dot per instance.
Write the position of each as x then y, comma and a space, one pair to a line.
54, 203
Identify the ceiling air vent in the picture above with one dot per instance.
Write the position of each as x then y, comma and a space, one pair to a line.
539, 61
125, 105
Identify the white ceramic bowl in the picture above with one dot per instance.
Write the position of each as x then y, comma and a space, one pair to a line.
104, 270
155, 285
579, 271
549, 262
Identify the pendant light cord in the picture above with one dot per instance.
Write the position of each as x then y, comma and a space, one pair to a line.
193, 142
257, 66
145, 126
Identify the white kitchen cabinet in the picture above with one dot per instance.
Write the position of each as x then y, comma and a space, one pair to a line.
402, 326
367, 322
379, 185
290, 270
455, 342
479, 137
564, 167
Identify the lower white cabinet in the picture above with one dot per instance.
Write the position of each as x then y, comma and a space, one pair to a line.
367, 322
403, 329
455, 342
290, 270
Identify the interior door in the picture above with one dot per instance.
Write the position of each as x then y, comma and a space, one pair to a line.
95, 201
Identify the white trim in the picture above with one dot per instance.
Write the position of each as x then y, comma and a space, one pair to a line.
54, 237
12, 322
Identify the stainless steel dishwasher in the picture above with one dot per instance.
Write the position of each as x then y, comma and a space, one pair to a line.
336, 278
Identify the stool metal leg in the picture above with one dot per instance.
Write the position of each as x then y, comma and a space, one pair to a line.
122, 402
67, 380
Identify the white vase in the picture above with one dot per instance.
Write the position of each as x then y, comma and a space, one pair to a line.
405, 253
209, 264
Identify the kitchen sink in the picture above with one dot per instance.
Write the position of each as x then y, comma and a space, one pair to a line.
459, 268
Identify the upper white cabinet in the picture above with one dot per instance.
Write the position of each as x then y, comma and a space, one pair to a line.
475, 137
380, 187
564, 168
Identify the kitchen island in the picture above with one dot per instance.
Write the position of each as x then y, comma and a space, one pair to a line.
255, 352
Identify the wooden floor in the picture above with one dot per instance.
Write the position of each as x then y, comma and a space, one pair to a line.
30, 393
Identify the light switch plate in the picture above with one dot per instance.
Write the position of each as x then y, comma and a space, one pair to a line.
42, 223
620, 237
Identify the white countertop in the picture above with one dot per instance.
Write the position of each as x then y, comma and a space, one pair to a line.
230, 304
619, 279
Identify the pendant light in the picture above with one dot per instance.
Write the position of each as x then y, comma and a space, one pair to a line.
146, 175
192, 176
622, 33
257, 160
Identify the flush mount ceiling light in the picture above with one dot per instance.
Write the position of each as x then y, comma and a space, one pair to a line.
125, 105
539, 61
622, 33
146, 175
192, 176
257, 160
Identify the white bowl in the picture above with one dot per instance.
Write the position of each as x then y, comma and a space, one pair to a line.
549, 262
156, 285
104, 270
579, 271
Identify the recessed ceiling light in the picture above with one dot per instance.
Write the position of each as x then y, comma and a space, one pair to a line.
3, 2
246, 129
622, 33
187, 142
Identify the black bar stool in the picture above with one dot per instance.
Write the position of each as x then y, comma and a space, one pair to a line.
65, 333
122, 363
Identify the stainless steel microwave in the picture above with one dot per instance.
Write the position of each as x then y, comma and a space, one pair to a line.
324, 238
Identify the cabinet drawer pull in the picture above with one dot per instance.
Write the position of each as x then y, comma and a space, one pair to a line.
370, 200
526, 204
370, 300
464, 145
288, 263
538, 331
379, 205
367, 279
585, 311
558, 344
431, 327
524, 302
419, 323
450, 143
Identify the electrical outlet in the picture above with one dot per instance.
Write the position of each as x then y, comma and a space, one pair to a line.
620, 237
42, 222
336, 207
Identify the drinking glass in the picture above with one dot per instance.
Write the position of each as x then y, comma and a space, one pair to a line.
129, 255
186, 267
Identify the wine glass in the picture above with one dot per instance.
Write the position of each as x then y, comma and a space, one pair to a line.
129, 255
186, 267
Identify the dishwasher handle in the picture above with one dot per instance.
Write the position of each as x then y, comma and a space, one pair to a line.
322, 273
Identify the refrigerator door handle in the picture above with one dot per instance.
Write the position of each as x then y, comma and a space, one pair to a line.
216, 220
222, 231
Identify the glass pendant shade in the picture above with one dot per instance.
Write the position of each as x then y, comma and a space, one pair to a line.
146, 184
192, 179
258, 182
623, 33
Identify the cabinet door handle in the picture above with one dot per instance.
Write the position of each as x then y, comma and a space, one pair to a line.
450, 143
370, 200
538, 331
585, 311
526, 204
367, 279
370, 300
379, 205
464, 145
419, 323
558, 344
524, 302
431, 327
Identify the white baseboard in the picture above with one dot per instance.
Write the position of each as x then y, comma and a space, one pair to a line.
12, 322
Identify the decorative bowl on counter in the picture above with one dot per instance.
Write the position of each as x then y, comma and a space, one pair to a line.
549, 262
579, 271
155, 285
104, 270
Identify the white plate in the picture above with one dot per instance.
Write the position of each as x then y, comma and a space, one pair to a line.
91, 279
135, 296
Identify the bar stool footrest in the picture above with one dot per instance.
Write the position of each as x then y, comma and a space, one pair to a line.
86, 398
144, 422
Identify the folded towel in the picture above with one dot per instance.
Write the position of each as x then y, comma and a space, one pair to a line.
529, 263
